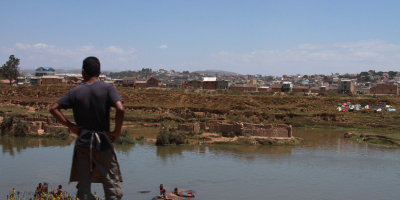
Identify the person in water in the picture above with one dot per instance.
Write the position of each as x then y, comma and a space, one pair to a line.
58, 191
163, 191
38, 191
182, 193
45, 188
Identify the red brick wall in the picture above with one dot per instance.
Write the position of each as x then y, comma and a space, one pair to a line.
244, 129
243, 88
264, 89
210, 85
385, 89
276, 89
46, 81
300, 90
152, 82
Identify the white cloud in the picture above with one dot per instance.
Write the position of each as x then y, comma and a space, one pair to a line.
42, 45
314, 58
115, 50
42, 54
307, 58
164, 46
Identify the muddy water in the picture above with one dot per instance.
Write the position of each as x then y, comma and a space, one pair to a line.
325, 167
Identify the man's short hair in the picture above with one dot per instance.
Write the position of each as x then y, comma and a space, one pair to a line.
91, 66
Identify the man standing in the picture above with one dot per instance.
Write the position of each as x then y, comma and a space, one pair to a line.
94, 157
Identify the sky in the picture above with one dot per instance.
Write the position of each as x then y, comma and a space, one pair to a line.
266, 37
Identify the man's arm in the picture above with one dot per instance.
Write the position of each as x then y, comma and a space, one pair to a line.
55, 110
119, 118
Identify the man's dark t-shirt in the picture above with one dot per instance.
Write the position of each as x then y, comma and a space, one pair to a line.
91, 104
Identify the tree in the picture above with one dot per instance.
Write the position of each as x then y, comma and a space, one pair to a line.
10, 70
364, 77
371, 72
392, 74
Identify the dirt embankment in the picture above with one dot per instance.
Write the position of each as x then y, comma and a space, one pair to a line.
157, 105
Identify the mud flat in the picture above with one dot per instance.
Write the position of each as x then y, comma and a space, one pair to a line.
376, 139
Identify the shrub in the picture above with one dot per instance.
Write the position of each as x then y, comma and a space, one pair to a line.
201, 132
125, 138
177, 138
21, 128
6, 126
165, 137
140, 138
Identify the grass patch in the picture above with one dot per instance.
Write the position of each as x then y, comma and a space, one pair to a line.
13, 109
374, 139
125, 138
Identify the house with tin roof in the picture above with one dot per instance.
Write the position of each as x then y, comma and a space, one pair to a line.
45, 71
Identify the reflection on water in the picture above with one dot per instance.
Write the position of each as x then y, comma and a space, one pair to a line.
165, 152
124, 149
240, 151
14, 145
325, 166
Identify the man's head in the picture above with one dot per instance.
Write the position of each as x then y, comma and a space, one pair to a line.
90, 67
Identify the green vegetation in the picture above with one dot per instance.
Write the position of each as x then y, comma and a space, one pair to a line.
140, 138
166, 137
21, 128
8, 128
10, 69
6, 125
13, 109
374, 139
125, 138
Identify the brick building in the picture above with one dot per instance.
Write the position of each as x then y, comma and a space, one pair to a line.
243, 88
194, 84
44, 71
128, 81
222, 85
52, 80
346, 87
210, 83
153, 82
300, 89
390, 89
140, 84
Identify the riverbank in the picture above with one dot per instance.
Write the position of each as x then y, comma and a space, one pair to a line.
179, 106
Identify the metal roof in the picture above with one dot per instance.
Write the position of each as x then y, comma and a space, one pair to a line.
210, 79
